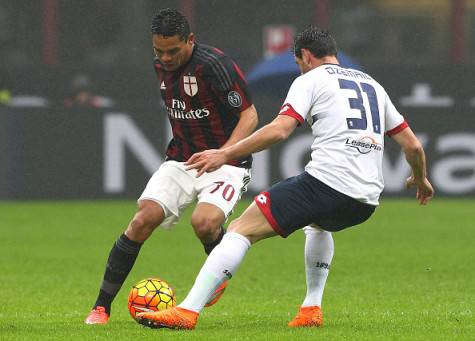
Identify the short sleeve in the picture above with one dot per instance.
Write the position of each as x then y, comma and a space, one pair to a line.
395, 122
299, 100
229, 83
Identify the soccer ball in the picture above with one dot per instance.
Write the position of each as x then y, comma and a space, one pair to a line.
151, 294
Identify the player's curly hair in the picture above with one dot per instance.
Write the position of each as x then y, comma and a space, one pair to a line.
169, 22
319, 42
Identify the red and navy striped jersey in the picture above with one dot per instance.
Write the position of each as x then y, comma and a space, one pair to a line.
203, 100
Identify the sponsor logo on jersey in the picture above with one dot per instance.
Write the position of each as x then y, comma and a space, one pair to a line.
162, 86
228, 274
178, 111
190, 85
364, 145
234, 99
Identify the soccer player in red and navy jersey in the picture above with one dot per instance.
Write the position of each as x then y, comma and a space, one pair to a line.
209, 107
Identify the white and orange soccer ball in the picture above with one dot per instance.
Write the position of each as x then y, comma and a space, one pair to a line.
151, 294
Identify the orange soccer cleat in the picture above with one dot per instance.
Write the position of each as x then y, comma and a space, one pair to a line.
173, 318
97, 316
308, 317
217, 294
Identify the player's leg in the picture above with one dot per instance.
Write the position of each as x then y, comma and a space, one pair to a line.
122, 257
220, 265
218, 193
259, 221
333, 211
250, 227
149, 215
168, 190
207, 221
318, 257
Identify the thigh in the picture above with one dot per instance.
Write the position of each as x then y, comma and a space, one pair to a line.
252, 224
223, 188
172, 187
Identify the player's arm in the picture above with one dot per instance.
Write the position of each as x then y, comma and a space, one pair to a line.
209, 160
246, 125
415, 156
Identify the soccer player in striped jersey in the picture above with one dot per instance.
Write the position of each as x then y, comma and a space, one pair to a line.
349, 114
209, 106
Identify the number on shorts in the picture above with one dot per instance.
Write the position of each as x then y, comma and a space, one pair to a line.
228, 191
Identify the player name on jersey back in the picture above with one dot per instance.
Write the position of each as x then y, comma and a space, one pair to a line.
336, 70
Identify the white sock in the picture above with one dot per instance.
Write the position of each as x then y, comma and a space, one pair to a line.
220, 265
318, 257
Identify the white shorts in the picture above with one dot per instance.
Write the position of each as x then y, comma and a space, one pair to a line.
174, 188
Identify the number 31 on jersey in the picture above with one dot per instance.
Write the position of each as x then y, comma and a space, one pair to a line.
357, 103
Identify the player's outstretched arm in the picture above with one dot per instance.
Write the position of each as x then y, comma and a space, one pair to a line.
415, 156
209, 160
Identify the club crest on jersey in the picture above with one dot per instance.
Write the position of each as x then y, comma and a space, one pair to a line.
234, 99
190, 85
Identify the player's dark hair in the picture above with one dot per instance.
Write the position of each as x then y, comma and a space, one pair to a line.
169, 22
319, 42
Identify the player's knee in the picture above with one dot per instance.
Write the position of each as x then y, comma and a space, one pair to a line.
138, 229
143, 224
205, 227
138, 222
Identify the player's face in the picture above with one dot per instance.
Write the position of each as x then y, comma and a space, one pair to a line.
172, 51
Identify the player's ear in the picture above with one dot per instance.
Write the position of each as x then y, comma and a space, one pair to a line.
306, 57
191, 39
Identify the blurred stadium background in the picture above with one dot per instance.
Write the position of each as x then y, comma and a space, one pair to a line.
56, 144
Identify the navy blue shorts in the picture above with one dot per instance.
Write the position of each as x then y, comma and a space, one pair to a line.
304, 200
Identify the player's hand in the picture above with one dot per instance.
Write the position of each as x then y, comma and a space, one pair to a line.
424, 193
206, 161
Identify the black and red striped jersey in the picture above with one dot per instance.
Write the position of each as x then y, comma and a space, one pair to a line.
203, 100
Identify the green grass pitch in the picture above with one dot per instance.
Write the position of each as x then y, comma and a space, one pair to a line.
407, 274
